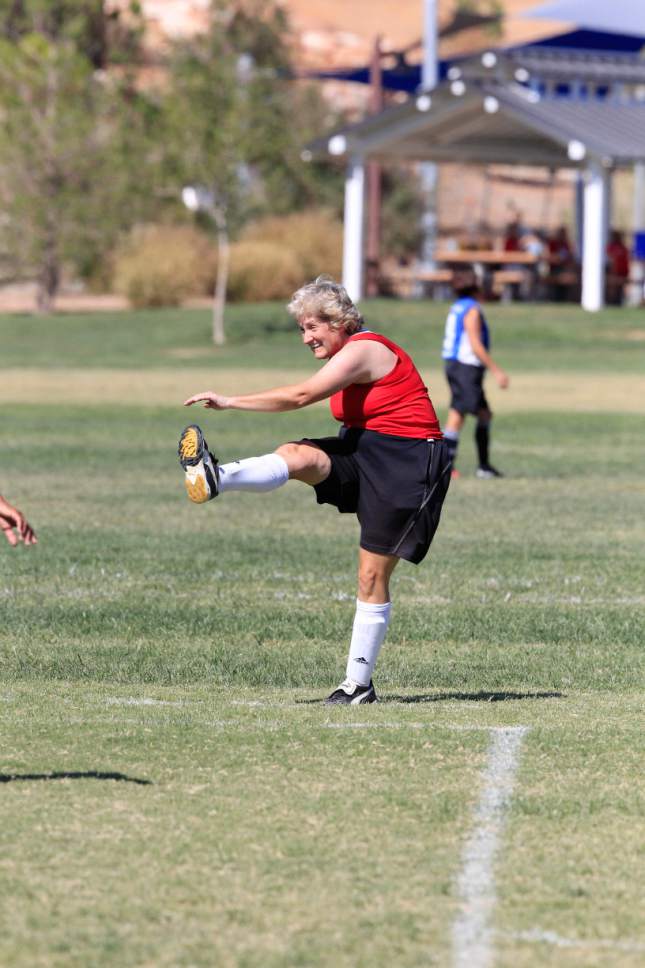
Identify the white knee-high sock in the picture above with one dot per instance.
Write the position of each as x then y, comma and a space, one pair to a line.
370, 626
254, 474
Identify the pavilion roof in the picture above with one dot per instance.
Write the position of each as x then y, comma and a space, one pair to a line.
496, 122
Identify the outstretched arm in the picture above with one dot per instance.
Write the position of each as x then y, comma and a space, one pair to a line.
14, 525
355, 363
472, 323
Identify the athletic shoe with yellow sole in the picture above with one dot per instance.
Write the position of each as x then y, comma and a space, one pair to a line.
199, 464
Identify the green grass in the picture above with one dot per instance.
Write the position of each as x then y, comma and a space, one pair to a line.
528, 337
185, 646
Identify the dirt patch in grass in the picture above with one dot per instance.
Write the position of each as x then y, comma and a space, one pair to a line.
624, 393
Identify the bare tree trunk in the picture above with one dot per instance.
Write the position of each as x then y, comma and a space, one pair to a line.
48, 278
49, 269
221, 280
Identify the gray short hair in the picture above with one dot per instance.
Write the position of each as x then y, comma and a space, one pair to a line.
327, 301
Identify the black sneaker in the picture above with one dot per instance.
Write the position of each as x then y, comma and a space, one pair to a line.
350, 693
199, 465
487, 473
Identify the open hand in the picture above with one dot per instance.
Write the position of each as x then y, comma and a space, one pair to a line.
14, 525
212, 401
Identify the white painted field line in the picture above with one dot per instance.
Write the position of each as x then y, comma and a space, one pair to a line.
385, 725
115, 701
537, 936
472, 933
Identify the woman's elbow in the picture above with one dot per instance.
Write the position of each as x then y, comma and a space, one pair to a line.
302, 398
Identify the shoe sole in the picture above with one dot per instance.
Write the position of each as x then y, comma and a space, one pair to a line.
191, 446
361, 700
196, 487
191, 450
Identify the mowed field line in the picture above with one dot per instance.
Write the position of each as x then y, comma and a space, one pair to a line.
571, 391
472, 931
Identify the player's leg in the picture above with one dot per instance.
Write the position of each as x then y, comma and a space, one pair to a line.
458, 376
485, 469
371, 620
206, 477
451, 431
295, 461
305, 462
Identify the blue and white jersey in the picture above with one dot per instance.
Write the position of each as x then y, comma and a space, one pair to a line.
456, 342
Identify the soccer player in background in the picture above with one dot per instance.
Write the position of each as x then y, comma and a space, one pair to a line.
466, 358
16, 528
389, 464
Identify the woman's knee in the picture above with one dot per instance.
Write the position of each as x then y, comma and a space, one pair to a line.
374, 580
305, 462
370, 582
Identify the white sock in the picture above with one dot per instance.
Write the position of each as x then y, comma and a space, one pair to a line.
370, 626
254, 474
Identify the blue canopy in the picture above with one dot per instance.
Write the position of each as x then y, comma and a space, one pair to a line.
407, 77
613, 16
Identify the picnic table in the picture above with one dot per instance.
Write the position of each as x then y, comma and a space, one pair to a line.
484, 257
506, 273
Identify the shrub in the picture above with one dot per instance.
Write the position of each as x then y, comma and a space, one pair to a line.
262, 270
161, 265
315, 235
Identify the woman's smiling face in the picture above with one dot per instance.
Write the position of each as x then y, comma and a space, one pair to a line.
323, 341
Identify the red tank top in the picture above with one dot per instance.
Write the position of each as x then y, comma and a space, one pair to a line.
398, 404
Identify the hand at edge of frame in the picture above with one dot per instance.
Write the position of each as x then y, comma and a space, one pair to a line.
15, 526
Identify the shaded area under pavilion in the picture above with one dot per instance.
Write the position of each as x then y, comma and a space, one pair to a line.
498, 110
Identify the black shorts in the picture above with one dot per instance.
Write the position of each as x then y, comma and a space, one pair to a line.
466, 386
394, 485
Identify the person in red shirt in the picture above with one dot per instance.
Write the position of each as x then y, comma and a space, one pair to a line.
617, 268
389, 464
512, 242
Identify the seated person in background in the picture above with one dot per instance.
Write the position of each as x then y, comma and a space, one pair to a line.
560, 249
562, 264
512, 242
534, 242
617, 268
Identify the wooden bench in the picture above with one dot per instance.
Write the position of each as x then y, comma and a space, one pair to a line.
567, 283
407, 282
507, 283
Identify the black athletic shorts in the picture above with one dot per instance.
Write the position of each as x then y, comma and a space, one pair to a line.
394, 485
466, 386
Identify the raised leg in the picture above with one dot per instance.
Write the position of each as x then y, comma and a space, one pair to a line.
305, 462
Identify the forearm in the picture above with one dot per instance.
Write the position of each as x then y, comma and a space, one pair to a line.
482, 354
278, 400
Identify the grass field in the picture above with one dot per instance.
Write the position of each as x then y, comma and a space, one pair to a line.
173, 791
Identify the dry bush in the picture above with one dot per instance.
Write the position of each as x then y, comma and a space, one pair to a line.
161, 265
316, 236
262, 270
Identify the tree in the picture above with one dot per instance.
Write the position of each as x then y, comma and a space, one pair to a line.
65, 134
231, 128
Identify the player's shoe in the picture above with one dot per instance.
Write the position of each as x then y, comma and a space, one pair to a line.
350, 693
455, 474
199, 464
487, 473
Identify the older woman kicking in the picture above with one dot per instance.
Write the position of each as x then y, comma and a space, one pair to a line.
389, 464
